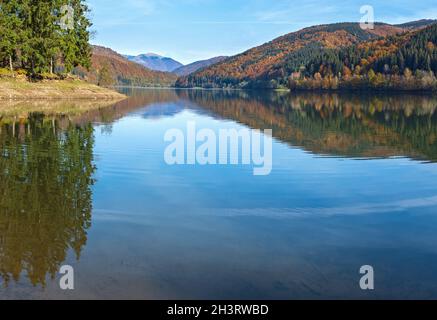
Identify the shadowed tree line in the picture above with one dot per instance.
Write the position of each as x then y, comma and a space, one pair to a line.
46, 176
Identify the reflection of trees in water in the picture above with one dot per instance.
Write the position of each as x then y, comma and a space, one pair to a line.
45, 196
345, 125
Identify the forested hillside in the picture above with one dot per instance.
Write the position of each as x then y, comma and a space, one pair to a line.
402, 62
315, 53
110, 68
195, 66
36, 38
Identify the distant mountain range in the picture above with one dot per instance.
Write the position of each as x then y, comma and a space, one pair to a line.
195, 66
323, 52
110, 68
159, 63
156, 62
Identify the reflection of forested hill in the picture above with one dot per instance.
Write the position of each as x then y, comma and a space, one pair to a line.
45, 203
340, 125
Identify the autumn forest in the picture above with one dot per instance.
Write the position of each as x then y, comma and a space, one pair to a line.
331, 57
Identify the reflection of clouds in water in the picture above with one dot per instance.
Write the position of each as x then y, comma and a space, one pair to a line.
390, 207
395, 206
160, 110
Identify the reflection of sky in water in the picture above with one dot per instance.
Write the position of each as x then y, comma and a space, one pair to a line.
220, 232
303, 231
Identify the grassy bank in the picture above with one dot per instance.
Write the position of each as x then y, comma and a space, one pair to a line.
21, 89
14, 110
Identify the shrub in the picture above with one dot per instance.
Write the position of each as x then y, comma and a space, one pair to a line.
6, 73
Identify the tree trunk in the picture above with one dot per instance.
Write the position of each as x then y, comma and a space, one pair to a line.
33, 67
51, 66
11, 67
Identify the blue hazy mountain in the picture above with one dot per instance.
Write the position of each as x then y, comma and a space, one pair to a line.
155, 62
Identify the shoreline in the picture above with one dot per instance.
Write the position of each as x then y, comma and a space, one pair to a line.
21, 109
315, 90
292, 91
22, 90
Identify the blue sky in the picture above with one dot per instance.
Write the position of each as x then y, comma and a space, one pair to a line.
191, 30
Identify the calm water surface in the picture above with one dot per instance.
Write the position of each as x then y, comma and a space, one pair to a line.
354, 183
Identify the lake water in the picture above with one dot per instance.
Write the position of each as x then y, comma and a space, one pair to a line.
354, 182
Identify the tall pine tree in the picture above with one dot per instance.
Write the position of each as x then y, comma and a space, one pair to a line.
10, 25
